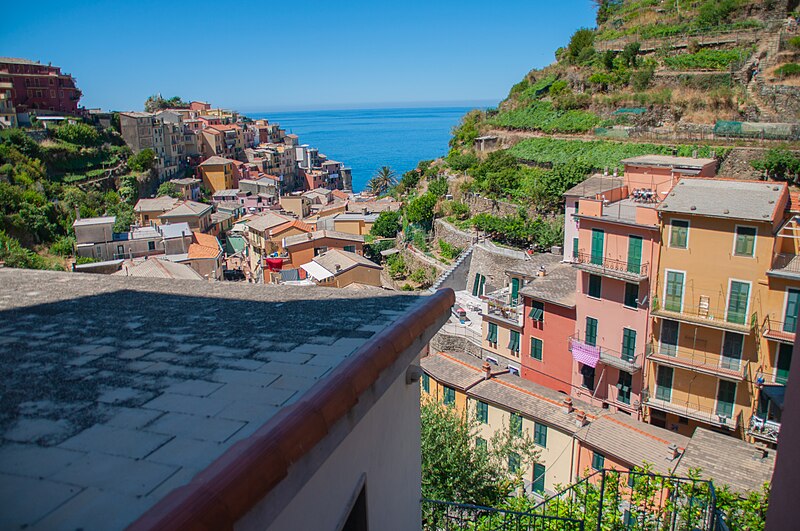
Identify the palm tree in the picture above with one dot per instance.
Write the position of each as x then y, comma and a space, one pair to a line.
383, 179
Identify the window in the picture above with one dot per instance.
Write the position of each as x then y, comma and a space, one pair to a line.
492, 336
790, 314
538, 477
478, 285
319, 250
426, 383
664, 383
540, 434
669, 338
673, 296
536, 348
598, 461
624, 387
151, 246
575, 248
737, 302
783, 363
598, 237
482, 412
513, 343
628, 344
514, 290
587, 373
513, 462
634, 254
449, 396
480, 443
631, 295
732, 351
515, 424
537, 311
591, 331
745, 242
350, 248
726, 397
679, 234
595, 286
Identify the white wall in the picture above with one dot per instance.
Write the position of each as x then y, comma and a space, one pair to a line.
570, 226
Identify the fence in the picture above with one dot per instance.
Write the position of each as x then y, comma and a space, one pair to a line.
445, 516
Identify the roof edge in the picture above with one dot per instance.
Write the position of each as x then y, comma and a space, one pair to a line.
234, 483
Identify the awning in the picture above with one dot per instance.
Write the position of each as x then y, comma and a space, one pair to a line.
586, 354
775, 393
316, 271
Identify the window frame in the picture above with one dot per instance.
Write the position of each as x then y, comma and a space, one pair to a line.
733, 402
728, 301
661, 335
538, 479
666, 284
626, 335
541, 348
586, 329
448, 396
482, 411
722, 356
540, 434
426, 382
598, 461
786, 309
671, 232
635, 305
599, 283
620, 385
736, 238
659, 386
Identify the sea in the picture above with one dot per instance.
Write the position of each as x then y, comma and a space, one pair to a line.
366, 139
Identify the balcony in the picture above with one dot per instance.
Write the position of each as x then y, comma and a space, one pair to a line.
785, 266
693, 411
766, 430
699, 361
611, 357
607, 267
702, 315
497, 307
778, 331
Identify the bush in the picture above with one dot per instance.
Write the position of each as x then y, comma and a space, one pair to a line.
420, 276
168, 189
397, 266
420, 210
15, 255
788, 70
716, 12
79, 134
542, 116
438, 186
145, 160
640, 79
581, 46
461, 161
387, 225
63, 246
449, 251
779, 163
794, 43
455, 209
420, 240
706, 59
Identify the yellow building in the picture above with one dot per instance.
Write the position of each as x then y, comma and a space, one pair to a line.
218, 173
708, 302
354, 223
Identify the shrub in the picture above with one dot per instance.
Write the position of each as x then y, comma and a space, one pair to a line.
420, 209
448, 251
706, 59
455, 209
79, 134
581, 46
168, 189
461, 161
387, 225
794, 42
420, 241
640, 79
397, 266
788, 70
438, 186
420, 276
145, 160
778, 163
63, 246
542, 116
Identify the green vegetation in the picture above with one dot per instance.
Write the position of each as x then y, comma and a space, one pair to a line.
387, 225
455, 468
597, 154
449, 251
707, 59
580, 49
788, 70
420, 210
397, 266
455, 210
78, 133
780, 164
465, 133
542, 116
438, 186
145, 160
382, 181
168, 189
521, 231
156, 103
794, 42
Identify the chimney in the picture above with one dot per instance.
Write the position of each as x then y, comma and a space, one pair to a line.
580, 419
338, 267
674, 452
568, 405
487, 370
759, 453
542, 271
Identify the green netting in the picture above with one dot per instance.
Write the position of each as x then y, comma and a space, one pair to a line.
608, 132
630, 110
778, 131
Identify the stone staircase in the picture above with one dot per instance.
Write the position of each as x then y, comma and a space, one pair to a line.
449, 271
765, 55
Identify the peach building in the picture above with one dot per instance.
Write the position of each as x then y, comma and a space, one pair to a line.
302, 248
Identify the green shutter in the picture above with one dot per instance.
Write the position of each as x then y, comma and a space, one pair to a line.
492, 336
624, 387
536, 348
673, 301
634, 254
737, 302
449, 396
515, 424
790, 316
726, 396
745, 241
669, 338
679, 234
482, 410
595, 286
575, 248
514, 290
426, 383
598, 237
537, 311
591, 331
513, 343
538, 477
513, 462
476, 284
482, 285
631, 295
664, 383
540, 434
784, 363
628, 344
598, 461
732, 345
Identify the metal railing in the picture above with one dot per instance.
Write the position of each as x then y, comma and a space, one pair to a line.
612, 357
711, 315
611, 267
763, 428
695, 411
614, 499
787, 263
445, 516
499, 306
699, 361
779, 330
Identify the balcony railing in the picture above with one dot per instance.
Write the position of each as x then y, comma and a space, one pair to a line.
446, 516
696, 360
764, 429
611, 357
703, 315
498, 306
694, 411
779, 331
785, 264
611, 268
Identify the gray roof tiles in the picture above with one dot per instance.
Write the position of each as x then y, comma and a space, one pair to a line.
745, 200
557, 285
117, 390
669, 161
595, 184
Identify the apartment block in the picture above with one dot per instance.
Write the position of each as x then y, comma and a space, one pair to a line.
38, 88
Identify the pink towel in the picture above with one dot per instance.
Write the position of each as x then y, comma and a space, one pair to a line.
586, 354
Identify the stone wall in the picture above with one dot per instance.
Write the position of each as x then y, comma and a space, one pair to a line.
784, 99
492, 261
442, 230
737, 164
414, 260
478, 205
455, 277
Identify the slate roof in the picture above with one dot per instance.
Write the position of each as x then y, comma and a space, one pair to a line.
726, 460
187, 208
669, 161
731, 199
344, 259
557, 286
634, 442
156, 204
456, 369
158, 268
118, 390
321, 234
94, 221
174, 230
216, 161
595, 184
267, 221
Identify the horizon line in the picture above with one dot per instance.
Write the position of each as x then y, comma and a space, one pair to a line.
365, 106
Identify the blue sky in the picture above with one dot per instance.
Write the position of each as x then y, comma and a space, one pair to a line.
255, 56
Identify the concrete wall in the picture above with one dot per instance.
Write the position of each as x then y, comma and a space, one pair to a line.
383, 448
457, 276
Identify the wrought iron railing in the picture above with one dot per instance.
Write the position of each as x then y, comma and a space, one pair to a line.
788, 263
611, 267
612, 499
696, 411
764, 429
624, 361
446, 516
706, 314
697, 360
779, 331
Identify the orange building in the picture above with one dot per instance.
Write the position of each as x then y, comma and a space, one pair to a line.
302, 248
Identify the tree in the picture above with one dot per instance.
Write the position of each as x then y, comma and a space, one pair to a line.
145, 160
156, 103
779, 163
581, 46
168, 189
383, 179
438, 186
455, 468
80, 134
420, 210
387, 225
